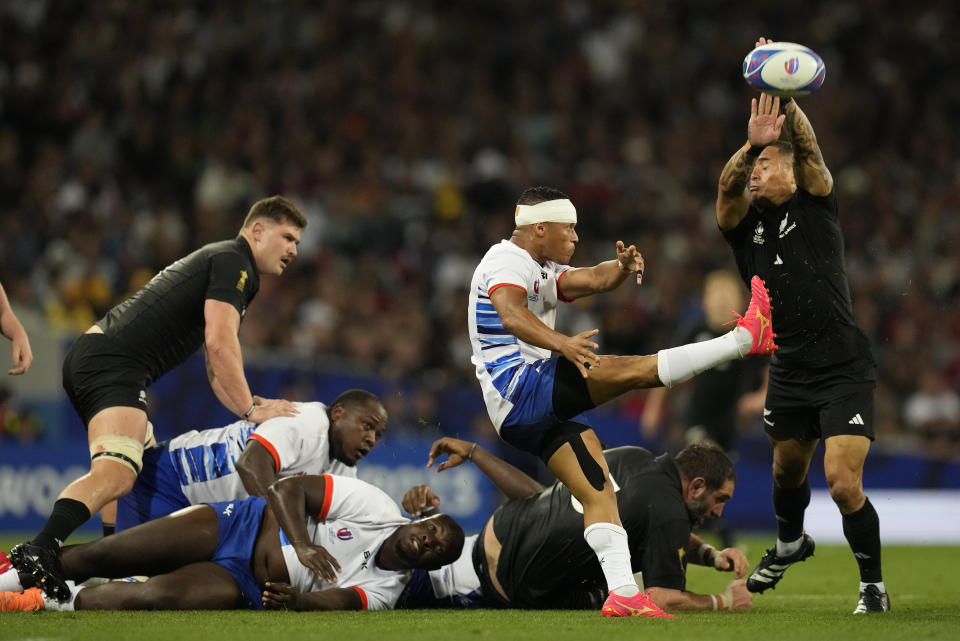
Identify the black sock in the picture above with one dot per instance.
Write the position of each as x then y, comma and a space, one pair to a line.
109, 528
66, 517
862, 529
789, 506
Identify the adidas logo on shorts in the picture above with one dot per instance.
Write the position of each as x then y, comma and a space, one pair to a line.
856, 420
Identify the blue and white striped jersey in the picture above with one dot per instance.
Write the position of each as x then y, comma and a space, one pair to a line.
205, 462
499, 356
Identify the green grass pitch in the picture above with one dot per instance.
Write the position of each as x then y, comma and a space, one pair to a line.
814, 601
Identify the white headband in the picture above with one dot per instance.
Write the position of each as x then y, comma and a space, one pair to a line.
549, 211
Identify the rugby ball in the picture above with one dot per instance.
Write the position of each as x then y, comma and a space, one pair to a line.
784, 69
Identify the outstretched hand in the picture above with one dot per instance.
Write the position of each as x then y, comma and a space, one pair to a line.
630, 260
456, 450
765, 122
579, 351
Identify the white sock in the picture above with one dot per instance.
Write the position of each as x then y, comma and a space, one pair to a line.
879, 584
10, 581
609, 542
54, 605
786, 549
679, 364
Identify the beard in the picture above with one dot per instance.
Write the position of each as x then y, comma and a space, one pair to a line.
697, 511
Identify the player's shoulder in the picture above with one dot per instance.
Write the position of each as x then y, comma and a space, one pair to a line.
802, 195
234, 249
374, 503
505, 250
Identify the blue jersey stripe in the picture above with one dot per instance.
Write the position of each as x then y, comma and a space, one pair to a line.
502, 381
496, 369
493, 331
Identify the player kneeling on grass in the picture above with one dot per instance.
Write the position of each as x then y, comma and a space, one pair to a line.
258, 554
530, 553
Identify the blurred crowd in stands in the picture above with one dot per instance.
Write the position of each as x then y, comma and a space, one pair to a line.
133, 132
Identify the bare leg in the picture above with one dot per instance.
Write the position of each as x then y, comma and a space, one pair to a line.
791, 460
598, 506
617, 375
108, 514
843, 461
187, 536
108, 480
603, 530
199, 586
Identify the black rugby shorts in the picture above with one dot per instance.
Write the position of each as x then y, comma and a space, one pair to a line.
98, 374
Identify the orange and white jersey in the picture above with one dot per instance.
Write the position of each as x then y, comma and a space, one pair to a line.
205, 462
355, 521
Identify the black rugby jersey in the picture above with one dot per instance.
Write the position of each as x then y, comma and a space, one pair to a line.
797, 248
544, 558
163, 323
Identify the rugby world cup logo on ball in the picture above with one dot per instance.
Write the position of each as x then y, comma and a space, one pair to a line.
784, 69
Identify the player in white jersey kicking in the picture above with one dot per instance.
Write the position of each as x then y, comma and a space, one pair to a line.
355, 551
535, 400
242, 459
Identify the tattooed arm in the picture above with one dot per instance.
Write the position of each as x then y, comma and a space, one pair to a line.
812, 173
732, 199
764, 127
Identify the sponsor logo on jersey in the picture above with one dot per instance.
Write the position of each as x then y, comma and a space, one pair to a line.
242, 281
227, 511
366, 558
344, 534
758, 233
784, 230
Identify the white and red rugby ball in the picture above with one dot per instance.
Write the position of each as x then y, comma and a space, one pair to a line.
784, 69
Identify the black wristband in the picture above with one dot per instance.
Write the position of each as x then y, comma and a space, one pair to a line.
753, 152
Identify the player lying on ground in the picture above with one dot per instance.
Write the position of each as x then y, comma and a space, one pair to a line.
531, 554
235, 555
242, 459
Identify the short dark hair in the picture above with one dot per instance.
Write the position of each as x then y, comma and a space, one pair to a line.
278, 209
536, 195
785, 147
356, 398
708, 460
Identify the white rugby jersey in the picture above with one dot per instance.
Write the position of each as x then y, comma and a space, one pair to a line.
206, 462
498, 355
355, 521
458, 579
